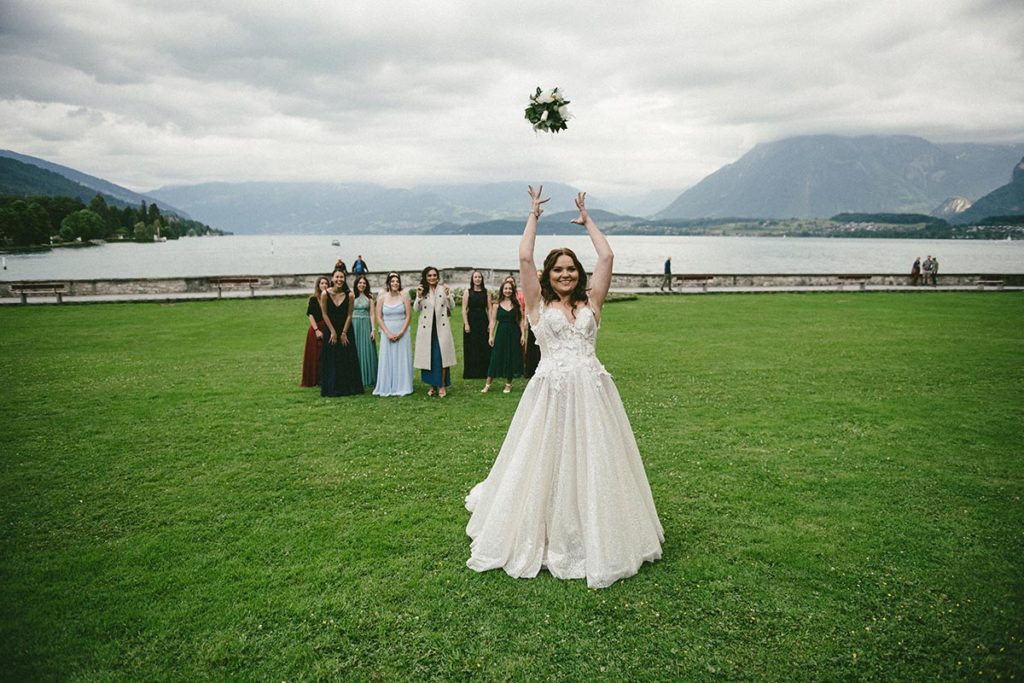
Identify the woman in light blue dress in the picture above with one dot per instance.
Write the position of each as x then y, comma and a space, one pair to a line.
394, 315
364, 326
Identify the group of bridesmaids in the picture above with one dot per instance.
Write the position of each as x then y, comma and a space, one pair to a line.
341, 355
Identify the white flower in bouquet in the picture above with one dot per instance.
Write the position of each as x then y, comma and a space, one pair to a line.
548, 111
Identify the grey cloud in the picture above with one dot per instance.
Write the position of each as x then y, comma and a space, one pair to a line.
408, 92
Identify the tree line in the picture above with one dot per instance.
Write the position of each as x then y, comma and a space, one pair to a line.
26, 221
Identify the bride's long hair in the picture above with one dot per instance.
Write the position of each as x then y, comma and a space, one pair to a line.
579, 292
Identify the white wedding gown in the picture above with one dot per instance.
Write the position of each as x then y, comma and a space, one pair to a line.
568, 490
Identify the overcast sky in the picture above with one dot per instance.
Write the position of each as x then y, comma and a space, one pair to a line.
147, 93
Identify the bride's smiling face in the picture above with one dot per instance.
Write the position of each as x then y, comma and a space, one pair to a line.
564, 276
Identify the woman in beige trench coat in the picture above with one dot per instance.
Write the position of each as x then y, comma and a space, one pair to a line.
435, 346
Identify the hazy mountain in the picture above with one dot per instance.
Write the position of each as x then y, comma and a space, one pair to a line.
95, 185
501, 198
822, 175
812, 176
1007, 200
550, 224
267, 207
646, 204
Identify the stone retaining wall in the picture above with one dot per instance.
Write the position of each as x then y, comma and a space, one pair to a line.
459, 278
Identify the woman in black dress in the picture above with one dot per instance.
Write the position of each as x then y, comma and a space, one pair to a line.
314, 335
476, 306
339, 365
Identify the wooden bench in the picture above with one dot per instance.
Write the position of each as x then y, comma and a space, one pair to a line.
702, 280
26, 288
221, 282
853, 279
998, 284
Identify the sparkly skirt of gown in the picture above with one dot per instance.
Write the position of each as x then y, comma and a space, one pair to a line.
568, 490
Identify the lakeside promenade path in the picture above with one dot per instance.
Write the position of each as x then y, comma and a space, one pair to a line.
684, 291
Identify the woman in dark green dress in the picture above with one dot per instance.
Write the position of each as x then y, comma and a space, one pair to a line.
507, 336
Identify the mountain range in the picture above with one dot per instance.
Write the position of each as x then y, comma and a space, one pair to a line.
264, 207
1007, 200
822, 175
801, 177
17, 179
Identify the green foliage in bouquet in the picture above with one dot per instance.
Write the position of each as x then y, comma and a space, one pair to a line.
548, 111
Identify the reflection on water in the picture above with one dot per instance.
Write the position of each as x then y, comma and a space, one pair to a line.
283, 254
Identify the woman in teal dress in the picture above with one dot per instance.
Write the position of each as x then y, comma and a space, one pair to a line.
507, 332
364, 325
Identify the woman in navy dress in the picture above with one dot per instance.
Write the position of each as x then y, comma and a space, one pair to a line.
339, 365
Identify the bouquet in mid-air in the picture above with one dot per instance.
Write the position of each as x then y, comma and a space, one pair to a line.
548, 111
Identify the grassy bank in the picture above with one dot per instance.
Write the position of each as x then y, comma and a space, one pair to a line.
839, 477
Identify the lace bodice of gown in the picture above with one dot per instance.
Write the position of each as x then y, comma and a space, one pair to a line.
361, 309
566, 347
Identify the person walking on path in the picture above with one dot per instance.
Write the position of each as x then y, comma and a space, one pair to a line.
666, 281
935, 271
926, 268
915, 272
359, 266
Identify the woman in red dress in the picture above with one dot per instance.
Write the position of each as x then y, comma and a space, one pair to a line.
314, 335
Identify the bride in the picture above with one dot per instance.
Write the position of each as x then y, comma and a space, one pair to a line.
568, 490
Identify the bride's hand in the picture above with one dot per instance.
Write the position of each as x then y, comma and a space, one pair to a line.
581, 199
536, 208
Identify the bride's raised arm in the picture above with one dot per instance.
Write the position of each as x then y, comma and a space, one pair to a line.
601, 280
527, 269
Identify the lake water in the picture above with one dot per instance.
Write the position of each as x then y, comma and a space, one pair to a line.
285, 254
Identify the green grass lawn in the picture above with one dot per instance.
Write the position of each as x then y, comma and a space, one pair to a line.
839, 477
